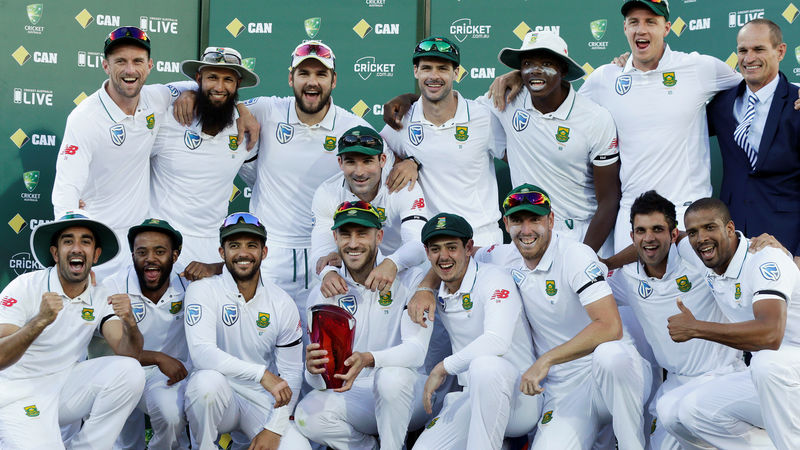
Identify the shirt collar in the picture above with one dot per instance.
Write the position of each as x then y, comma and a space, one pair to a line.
111, 107
663, 63
327, 122
461, 116
764, 95
54, 285
563, 110
467, 283
737, 262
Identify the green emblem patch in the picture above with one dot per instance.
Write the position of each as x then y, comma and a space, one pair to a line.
31, 411
249, 63
669, 79
462, 133
598, 28
381, 213
34, 13
263, 320
330, 143
87, 314
433, 422
176, 307
550, 287
233, 142
441, 223
684, 285
151, 121
738, 293
653, 426
547, 417
466, 302
562, 134
31, 179
385, 299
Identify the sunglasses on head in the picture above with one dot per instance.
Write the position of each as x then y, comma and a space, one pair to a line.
440, 46
133, 32
523, 198
350, 140
235, 218
221, 56
356, 206
321, 50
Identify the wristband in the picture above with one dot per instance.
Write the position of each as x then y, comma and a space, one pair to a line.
426, 289
416, 161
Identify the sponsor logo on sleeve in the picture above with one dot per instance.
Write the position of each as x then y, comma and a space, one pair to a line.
770, 271
193, 314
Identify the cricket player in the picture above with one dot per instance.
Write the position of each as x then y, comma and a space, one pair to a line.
193, 167
665, 273
587, 369
760, 295
47, 318
156, 293
382, 393
450, 142
244, 339
480, 307
296, 155
362, 160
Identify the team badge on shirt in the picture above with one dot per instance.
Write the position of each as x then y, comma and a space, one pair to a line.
623, 84
462, 133
516, 274
87, 314
770, 271
173, 91
684, 285
562, 134
192, 139
415, 134
520, 120
547, 417
151, 121
433, 422
550, 287
230, 314
117, 134
737, 294
349, 304
385, 299
138, 311
284, 133
176, 307
31, 411
233, 142
381, 213
466, 302
193, 314
668, 78
263, 320
330, 143
645, 290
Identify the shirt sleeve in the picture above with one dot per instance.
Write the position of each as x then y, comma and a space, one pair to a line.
72, 168
715, 75
322, 241
619, 287
16, 308
604, 150
412, 213
497, 136
393, 140
201, 337
589, 87
586, 274
289, 361
411, 351
774, 277
503, 306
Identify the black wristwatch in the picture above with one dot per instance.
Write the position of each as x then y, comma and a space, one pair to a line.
416, 161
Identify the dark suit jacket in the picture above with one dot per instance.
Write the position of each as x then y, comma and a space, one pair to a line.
767, 199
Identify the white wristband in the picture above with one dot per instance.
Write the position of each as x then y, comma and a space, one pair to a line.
426, 289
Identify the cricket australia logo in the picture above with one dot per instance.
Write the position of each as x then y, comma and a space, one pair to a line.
348, 303
284, 133
770, 271
192, 139
193, 314
230, 314
415, 134
117, 134
623, 84
520, 120
138, 311
645, 290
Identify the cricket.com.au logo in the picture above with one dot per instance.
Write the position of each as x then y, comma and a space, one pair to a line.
23, 262
367, 66
598, 28
461, 29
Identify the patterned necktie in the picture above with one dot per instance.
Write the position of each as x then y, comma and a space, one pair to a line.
740, 135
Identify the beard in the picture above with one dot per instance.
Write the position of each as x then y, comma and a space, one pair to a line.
324, 98
163, 277
215, 117
240, 275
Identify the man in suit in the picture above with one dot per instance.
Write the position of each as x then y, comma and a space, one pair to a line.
759, 137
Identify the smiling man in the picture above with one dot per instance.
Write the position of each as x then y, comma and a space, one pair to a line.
760, 296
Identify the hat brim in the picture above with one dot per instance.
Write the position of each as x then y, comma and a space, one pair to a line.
512, 57
444, 232
125, 40
631, 4
330, 63
434, 54
42, 236
360, 149
357, 221
190, 68
535, 209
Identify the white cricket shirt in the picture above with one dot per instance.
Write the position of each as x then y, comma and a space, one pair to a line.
484, 317
457, 174
767, 274
192, 175
293, 160
105, 157
654, 300
557, 151
661, 122
62, 343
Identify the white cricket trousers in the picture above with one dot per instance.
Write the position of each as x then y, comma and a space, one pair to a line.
486, 411
388, 403
612, 390
102, 392
215, 406
729, 412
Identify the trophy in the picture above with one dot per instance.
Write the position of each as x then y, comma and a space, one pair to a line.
333, 328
